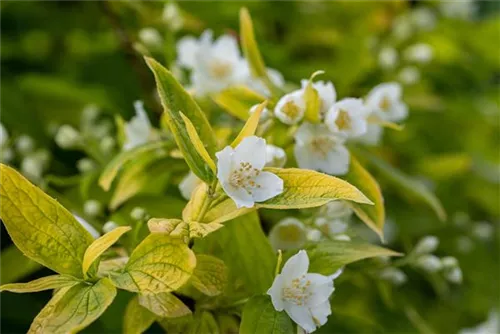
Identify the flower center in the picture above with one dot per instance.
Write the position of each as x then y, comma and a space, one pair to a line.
291, 110
321, 145
385, 104
298, 292
244, 176
220, 69
343, 120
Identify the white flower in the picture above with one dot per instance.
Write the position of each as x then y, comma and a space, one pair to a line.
490, 326
409, 75
88, 227
150, 37
454, 275
426, 245
32, 167
291, 107
385, 101
303, 296
318, 149
388, 58
257, 85
138, 213
172, 16
138, 131
67, 137
92, 208
419, 53
372, 136
240, 174
189, 184
85, 165
337, 209
347, 118
326, 92
394, 275
109, 226
275, 156
288, 233
429, 263
264, 115
214, 65
449, 262
25, 144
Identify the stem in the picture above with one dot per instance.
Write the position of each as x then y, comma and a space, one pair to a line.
207, 201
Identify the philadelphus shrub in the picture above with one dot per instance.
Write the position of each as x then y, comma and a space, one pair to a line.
210, 265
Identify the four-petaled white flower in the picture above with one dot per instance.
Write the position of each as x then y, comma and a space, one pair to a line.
318, 149
304, 296
385, 101
240, 174
291, 107
326, 92
138, 130
215, 65
347, 118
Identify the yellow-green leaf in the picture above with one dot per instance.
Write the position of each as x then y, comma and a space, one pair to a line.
313, 101
259, 316
210, 275
137, 318
164, 305
41, 284
100, 245
371, 215
328, 256
160, 263
198, 144
175, 100
113, 168
237, 101
173, 227
307, 189
40, 227
72, 309
249, 45
251, 124
201, 230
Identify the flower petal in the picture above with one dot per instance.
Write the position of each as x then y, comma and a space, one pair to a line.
239, 195
337, 161
301, 316
321, 312
187, 48
270, 185
276, 293
296, 266
252, 149
320, 289
224, 163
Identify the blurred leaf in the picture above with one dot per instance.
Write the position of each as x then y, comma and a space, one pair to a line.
238, 100
164, 305
259, 316
14, 265
203, 322
210, 275
137, 318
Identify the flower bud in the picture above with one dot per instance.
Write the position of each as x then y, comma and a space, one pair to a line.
275, 156
172, 16
85, 165
138, 213
314, 235
67, 137
483, 230
388, 58
287, 234
342, 237
150, 37
32, 168
429, 263
107, 144
109, 226
264, 115
454, 275
25, 144
426, 245
464, 244
449, 262
394, 275
6, 154
92, 208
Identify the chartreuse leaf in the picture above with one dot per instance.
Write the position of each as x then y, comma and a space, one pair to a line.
137, 318
238, 100
40, 227
371, 215
259, 316
100, 245
210, 275
328, 256
203, 322
72, 309
180, 228
407, 186
164, 305
176, 100
251, 125
14, 265
160, 263
307, 189
198, 144
313, 102
135, 154
41, 284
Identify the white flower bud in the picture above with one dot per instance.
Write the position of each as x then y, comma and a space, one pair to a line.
32, 168
388, 58
109, 226
314, 235
455, 275
337, 209
92, 208
138, 213
150, 37
409, 75
172, 16
25, 144
275, 156
107, 144
287, 234
67, 137
429, 263
85, 165
89, 114
426, 245
394, 275
483, 230
342, 237
419, 53
6, 154
464, 244
264, 115
449, 262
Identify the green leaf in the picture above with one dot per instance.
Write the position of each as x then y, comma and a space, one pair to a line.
197, 143
41, 284
176, 100
237, 101
307, 189
203, 322
250, 47
40, 227
259, 316
164, 305
100, 245
137, 318
239, 244
72, 309
14, 265
210, 275
313, 101
250, 125
371, 215
160, 263
407, 186
328, 256
135, 154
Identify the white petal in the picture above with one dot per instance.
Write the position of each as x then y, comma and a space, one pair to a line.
305, 132
321, 312
224, 163
226, 47
372, 136
188, 185
270, 185
320, 289
296, 266
337, 161
252, 149
337, 273
296, 99
304, 156
240, 196
301, 316
276, 293
187, 49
